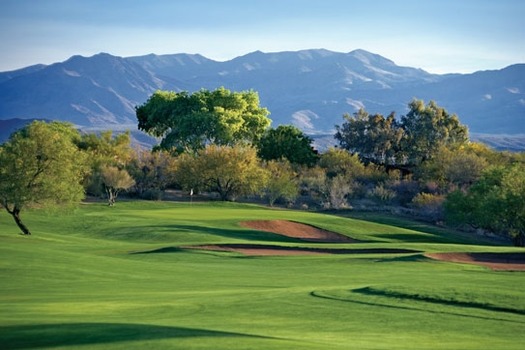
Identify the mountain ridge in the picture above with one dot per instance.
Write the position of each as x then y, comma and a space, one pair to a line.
311, 88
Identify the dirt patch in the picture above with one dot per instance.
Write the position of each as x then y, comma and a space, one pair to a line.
297, 230
269, 250
494, 261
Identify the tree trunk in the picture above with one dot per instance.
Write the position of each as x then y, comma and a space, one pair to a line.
16, 215
112, 197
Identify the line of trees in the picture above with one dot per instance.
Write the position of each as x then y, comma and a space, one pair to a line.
443, 174
221, 142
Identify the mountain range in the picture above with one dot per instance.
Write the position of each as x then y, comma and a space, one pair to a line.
311, 89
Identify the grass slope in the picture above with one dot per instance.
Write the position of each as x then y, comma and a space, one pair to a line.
118, 278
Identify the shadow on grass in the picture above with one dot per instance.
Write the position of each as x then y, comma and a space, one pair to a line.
405, 258
350, 299
244, 234
432, 233
77, 334
416, 238
436, 300
161, 250
254, 248
168, 232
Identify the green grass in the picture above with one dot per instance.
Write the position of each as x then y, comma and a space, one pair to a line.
119, 278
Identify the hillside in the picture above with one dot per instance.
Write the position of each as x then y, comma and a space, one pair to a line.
311, 88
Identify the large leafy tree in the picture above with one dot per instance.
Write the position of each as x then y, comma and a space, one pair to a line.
373, 137
428, 127
40, 165
230, 171
191, 121
288, 142
403, 144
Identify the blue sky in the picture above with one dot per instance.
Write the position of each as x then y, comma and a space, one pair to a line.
440, 36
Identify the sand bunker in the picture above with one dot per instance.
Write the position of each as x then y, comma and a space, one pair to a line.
494, 261
274, 250
297, 230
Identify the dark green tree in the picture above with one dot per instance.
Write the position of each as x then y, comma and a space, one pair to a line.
287, 142
191, 121
41, 165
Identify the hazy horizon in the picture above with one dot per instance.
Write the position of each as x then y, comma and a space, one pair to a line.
445, 36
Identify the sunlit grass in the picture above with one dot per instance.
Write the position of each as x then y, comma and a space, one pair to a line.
84, 280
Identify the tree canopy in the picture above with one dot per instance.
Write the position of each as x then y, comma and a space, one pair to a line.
153, 172
287, 141
496, 202
106, 148
187, 121
426, 128
408, 142
231, 171
340, 162
373, 137
282, 182
115, 180
40, 165
108, 156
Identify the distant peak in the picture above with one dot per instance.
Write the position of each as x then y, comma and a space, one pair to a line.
369, 57
321, 51
105, 55
257, 53
101, 55
360, 51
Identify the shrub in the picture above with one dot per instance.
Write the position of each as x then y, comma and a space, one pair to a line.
339, 189
282, 183
382, 194
429, 205
405, 190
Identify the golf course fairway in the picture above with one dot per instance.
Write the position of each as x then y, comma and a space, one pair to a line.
165, 275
